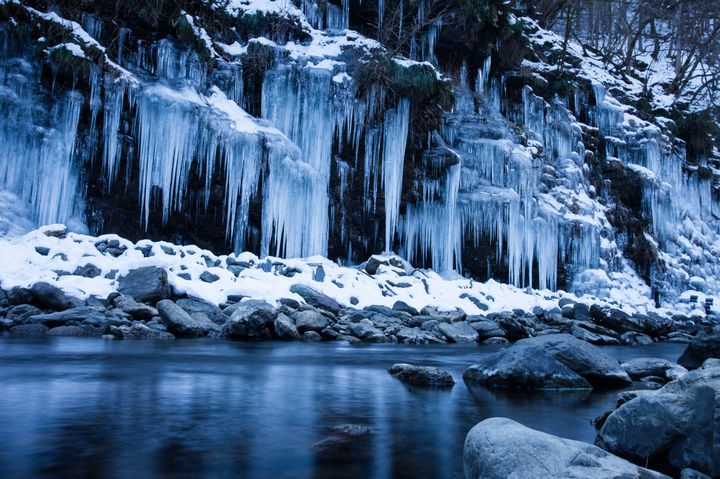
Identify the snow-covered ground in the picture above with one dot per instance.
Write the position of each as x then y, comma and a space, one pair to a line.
41, 255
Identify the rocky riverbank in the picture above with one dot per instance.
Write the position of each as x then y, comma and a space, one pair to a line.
59, 283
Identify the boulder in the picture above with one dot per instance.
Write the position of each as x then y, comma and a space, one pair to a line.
590, 362
523, 368
285, 328
460, 332
487, 329
50, 297
316, 298
196, 305
415, 336
88, 271
134, 308
148, 284
252, 319
592, 337
310, 321
364, 329
643, 367
705, 345
422, 375
677, 424
499, 448
181, 324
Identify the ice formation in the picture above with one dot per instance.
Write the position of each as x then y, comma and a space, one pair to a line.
513, 176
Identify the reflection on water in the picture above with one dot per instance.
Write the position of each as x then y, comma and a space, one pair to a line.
78, 407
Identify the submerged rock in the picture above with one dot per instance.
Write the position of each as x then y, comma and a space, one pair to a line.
138, 331
500, 448
422, 375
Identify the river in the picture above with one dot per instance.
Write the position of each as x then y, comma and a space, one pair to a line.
79, 407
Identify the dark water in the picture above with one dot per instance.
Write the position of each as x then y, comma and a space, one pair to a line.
90, 408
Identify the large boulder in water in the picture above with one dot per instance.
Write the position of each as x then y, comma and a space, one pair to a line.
587, 360
705, 345
678, 424
148, 284
253, 319
523, 368
498, 448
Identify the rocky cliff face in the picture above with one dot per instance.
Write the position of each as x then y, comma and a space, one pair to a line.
346, 129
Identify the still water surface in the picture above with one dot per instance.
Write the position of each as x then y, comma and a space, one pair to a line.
79, 407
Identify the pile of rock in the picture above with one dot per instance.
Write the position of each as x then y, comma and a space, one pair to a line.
145, 306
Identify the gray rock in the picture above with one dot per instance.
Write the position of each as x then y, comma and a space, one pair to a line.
460, 332
179, 322
147, 284
677, 424
18, 295
196, 305
590, 362
591, 337
50, 297
422, 375
285, 328
73, 331
415, 336
134, 308
487, 329
139, 331
251, 319
311, 337
310, 321
705, 345
523, 368
61, 317
643, 367
405, 308
22, 313
348, 338
444, 316
316, 298
364, 329
500, 448
88, 271
209, 277
29, 330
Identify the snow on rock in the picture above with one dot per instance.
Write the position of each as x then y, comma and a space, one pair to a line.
51, 255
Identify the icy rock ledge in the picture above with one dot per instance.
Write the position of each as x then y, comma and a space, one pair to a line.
52, 279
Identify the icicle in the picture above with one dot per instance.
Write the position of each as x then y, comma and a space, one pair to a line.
114, 97
395, 134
